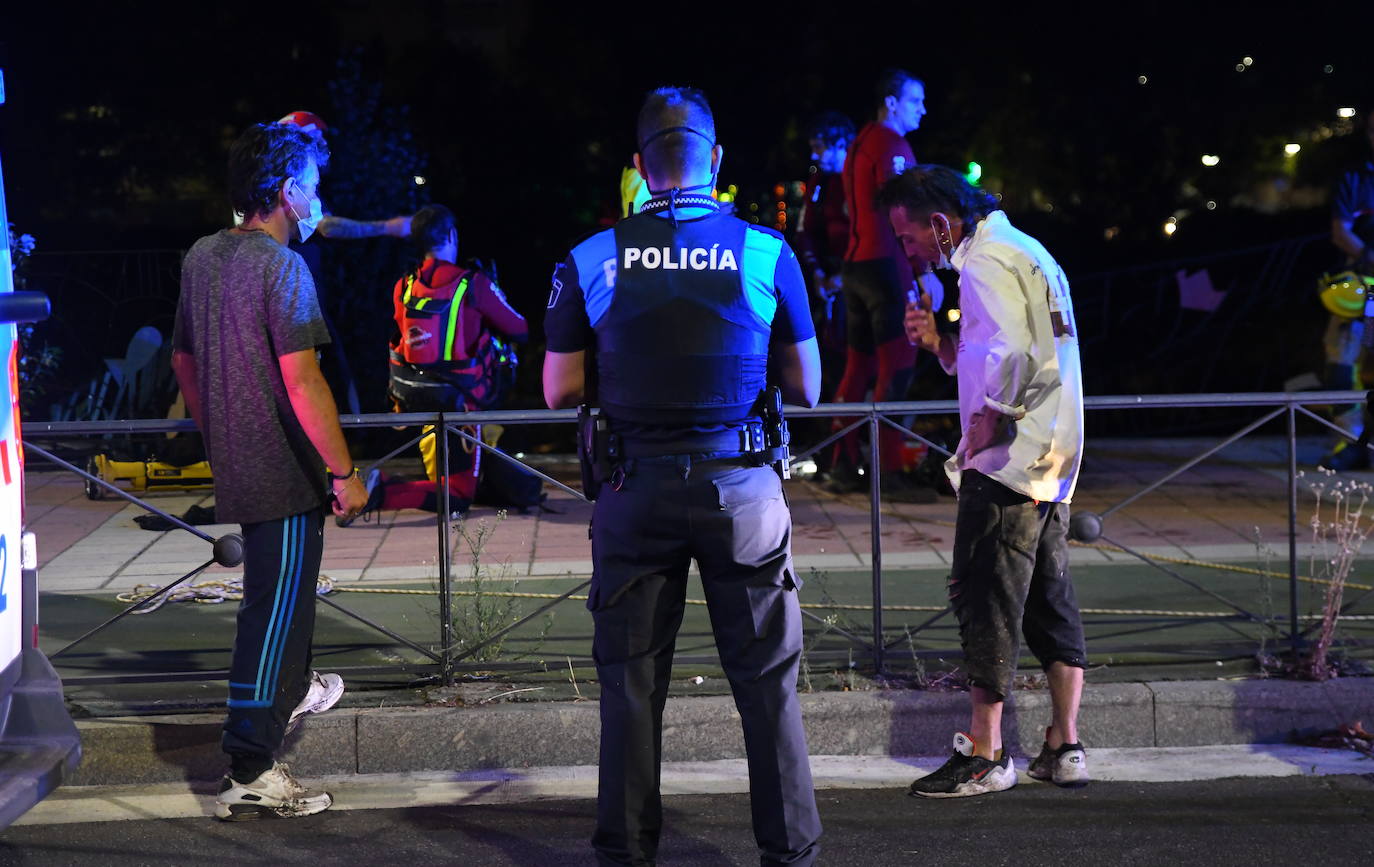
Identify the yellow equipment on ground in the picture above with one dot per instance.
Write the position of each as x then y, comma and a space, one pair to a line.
146, 475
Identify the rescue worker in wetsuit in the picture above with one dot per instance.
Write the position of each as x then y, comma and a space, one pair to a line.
450, 352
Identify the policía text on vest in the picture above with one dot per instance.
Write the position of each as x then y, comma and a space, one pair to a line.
680, 259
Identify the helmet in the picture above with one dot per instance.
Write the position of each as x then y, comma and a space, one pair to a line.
306, 120
1344, 294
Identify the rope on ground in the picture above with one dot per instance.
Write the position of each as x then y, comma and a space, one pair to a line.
211, 592
817, 606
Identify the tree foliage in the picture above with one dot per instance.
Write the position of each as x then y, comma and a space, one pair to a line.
373, 164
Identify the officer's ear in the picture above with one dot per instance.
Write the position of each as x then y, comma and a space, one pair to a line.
717, 154
639, 167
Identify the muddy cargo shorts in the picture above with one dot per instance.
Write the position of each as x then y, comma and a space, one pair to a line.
1011, 576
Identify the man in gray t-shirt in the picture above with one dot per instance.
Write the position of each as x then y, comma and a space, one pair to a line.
246, 285
244, 353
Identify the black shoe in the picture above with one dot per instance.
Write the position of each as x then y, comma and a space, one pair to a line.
375, 494
898, 487
966, 775
1346, 456
845, 478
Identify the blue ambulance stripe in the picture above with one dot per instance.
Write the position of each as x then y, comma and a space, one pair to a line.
591, 257
758, 263
274, 625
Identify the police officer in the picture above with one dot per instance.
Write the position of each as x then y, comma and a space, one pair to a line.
684, 304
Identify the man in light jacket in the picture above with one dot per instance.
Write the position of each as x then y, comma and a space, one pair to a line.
1021, 412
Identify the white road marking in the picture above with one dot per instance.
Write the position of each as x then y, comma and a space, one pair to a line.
81, 804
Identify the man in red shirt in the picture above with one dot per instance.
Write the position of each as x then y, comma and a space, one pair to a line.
876, 277
446, 356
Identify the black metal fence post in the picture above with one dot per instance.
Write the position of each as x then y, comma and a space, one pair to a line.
445, 573
1294, 634
876, 518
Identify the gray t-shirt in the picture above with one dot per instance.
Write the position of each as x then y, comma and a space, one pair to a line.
245, 300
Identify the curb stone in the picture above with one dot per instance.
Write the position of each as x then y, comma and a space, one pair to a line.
162, 749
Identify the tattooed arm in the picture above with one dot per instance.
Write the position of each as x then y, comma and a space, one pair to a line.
342, 227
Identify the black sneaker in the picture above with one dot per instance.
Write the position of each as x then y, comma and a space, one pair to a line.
376, 493
845, 478
1066, 766
1346, 456
966, 775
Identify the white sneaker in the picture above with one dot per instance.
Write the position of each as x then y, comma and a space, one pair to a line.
1066, 766
274, 794
325, 691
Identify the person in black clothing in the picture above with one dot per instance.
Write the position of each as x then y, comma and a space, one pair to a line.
821, 237
1352, 231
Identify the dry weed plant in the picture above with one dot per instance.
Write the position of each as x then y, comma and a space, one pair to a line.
1339, 529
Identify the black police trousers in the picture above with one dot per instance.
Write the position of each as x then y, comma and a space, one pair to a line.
733, 520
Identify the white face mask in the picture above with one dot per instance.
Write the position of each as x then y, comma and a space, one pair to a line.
305, 226
944, 262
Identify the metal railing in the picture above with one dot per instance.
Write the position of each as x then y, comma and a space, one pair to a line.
445, 660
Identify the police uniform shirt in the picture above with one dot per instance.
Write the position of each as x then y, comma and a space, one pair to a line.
681, 317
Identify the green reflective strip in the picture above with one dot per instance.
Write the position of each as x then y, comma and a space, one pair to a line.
455, 306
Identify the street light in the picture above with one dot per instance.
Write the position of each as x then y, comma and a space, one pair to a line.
1345, 112
1292, 148
1210, 160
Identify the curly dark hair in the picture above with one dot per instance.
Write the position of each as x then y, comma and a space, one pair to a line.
430, 226
668, 107
831, 127
924, 189
264, 156
890, 83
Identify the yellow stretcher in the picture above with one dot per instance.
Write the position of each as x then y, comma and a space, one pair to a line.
146, 475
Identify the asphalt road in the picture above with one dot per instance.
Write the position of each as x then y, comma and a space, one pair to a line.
1307, 820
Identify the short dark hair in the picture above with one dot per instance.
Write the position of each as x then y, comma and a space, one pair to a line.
665, 108
262, 158
890, 83
924, 189
430, 226
831, 127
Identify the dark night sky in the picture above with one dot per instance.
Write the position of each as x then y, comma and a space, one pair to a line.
119, 115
